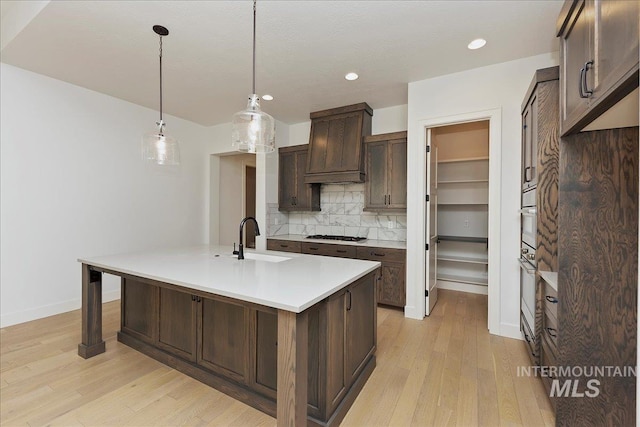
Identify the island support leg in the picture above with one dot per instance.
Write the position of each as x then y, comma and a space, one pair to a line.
293, 351
92, 343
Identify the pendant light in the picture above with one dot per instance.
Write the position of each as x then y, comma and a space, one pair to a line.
253, 130
157, 146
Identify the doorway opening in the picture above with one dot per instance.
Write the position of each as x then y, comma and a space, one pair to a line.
459, 208
237, 198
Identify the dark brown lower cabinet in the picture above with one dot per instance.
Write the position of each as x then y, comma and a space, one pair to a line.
232, 345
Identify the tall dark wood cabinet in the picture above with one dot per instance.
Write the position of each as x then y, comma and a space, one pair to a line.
293, 193
386, 171
540, 153
599, 58
598, 273
335, 144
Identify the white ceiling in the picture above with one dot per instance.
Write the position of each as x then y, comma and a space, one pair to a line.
304, 49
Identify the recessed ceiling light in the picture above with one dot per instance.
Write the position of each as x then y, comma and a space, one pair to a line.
267, 97
351, 76
477, 44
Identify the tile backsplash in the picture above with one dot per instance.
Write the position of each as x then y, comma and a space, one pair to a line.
341, 214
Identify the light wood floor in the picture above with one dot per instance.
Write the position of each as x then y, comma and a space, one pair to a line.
445, 370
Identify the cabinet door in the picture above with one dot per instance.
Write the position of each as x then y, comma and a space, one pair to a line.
223, 338
526, 146
616, 36
266, 356
397, 174
376, 179
575, 48
177, 323
139, 309
286, 180
306, 196
360, 332
391, 286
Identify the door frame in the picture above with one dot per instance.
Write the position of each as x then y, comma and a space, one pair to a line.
417, 213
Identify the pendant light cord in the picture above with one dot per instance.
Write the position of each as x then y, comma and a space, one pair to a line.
254, 47
161, 122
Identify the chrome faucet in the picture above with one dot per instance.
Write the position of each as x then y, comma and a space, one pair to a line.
240, 251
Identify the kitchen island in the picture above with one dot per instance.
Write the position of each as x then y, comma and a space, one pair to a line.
289, 334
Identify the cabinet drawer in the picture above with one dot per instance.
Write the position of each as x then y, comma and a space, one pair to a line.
342, 251
550, 328
530, 340
550, 300
381, 254
283, 245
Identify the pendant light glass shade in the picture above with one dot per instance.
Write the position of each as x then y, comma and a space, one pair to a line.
160, 148
157, 146
253, 130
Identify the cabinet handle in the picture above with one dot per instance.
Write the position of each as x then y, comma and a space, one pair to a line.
551, 299
341, 251
581, 83
527, 175
552, 332
526, 337
284, 246
376, 254
349, 301
584, 86
313, 249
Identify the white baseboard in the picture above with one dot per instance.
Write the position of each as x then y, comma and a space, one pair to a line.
510, 331
28, 315
463, 287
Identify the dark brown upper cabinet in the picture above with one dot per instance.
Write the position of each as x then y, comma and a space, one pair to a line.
335, 144
293, 193
386, 172
598, 58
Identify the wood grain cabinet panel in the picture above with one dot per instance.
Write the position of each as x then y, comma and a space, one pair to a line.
293, 193
177, 323
335, 144
386, 172
340, 251
360, 327
391, 283
598, 271
598, 58
223, 337
139, 309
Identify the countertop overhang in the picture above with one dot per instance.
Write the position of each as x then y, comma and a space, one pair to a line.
293, 285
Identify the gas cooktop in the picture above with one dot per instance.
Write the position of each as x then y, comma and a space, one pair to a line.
331, 237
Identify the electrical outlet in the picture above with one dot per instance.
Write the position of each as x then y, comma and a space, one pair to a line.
466, 223
390, 224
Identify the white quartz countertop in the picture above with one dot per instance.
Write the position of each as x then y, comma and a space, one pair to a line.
292, 284
368, 243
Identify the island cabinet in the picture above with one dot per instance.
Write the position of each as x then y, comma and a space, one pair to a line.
233, 345
598, 58
335, 144
385, 188
293, 193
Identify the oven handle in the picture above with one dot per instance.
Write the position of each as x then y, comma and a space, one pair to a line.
526, 266
527, 211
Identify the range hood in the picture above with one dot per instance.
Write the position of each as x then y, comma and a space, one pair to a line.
336, 153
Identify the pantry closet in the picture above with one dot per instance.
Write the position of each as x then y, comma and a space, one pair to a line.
462, 205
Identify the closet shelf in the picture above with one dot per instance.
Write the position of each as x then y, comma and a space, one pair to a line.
463, 279
464, 239
463, 181
458, 258
463, 203
465, 159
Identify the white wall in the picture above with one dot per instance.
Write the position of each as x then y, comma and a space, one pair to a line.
73, 184
500, 86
